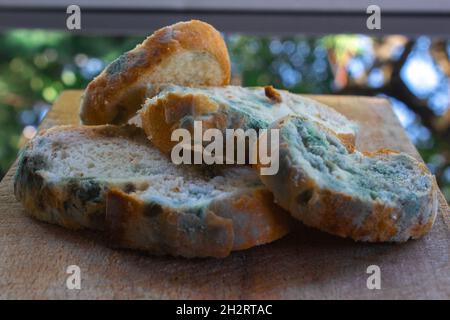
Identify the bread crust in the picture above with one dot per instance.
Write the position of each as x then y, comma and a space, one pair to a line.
236, 221
177, 108
131, 223
163, 117
107, 98
344, 215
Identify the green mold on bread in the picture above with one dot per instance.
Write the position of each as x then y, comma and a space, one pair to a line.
112, 179
231, 107
380, 196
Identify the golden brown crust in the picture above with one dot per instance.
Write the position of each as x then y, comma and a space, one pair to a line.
383, 151
159, 121
101, 99
260, 219
134, 224
235, 223
158, 130
338, 213
377, 227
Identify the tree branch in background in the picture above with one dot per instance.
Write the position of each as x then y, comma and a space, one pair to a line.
397, 89
439, 53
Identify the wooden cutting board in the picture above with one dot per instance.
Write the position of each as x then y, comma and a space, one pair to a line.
306, 264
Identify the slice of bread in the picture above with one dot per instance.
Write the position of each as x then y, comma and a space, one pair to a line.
187, 53
231, 107
380, 196
111, 178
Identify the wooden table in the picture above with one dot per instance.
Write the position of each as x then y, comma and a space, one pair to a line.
306, 264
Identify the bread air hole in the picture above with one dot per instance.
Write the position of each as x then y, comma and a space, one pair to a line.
304, 197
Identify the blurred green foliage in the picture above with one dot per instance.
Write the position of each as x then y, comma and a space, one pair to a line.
296, 63
35, 66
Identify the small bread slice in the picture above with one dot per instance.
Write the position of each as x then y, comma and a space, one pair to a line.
189, 53
380, 196
111, 178
231, 107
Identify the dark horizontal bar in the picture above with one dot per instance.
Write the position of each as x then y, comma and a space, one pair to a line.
113, 21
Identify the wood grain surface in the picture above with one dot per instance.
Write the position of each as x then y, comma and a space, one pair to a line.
306, 264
